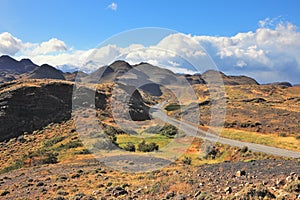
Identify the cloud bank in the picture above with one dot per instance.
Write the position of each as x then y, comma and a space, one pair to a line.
270, 53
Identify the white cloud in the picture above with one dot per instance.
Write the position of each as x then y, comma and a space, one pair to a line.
113, 6
51, 46
9, 44
241, 63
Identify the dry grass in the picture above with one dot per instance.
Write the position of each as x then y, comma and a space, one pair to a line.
289, 142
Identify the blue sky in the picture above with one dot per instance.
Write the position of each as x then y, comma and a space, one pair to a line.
74, 27
84, 24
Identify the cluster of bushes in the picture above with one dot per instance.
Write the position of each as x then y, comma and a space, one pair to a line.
107, 131
211, 152
142, 146
70, 145
129, 147
147, 147
167, 130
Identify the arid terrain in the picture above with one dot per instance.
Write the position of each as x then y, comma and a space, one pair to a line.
52, 127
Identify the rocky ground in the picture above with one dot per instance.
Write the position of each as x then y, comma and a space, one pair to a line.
89, 179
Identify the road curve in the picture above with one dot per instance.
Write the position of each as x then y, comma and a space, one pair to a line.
156, 112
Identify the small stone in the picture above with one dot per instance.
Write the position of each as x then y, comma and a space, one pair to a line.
280, 182
75, 176
180, 197
118, 191
228, 190
96, 192
21, 139
292, 173
170, 195
197, 194
289, 179
3, 193
240, 173
40, 184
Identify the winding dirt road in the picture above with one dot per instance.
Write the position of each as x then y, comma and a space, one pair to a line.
157, 112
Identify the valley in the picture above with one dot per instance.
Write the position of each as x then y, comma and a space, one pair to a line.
141, 131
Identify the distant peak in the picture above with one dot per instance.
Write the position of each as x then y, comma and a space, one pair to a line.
46, 66
26, 61
120, 64
6, 57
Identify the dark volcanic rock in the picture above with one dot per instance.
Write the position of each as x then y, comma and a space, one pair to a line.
131, 101
30, 105
29, 108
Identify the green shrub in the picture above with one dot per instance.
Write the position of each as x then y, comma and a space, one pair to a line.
73, 144
144, 147
129, 147
187, 160
172, 107
83, 151
112, 131
50, 158
282, 134
169, 131
244, 149
16, 165
53, 141
70, 145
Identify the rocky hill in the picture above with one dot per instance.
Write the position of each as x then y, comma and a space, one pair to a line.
46, 72
30, 105
74, 76
228, 80
12, 66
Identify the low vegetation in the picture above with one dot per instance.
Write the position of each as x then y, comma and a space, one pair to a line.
167, 130
147, 147
172, 107
129, 147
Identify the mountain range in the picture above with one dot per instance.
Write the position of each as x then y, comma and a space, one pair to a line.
11, 69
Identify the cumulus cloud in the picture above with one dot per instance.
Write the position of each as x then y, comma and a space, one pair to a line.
113, 6
273, 51
9, 44
53, 45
